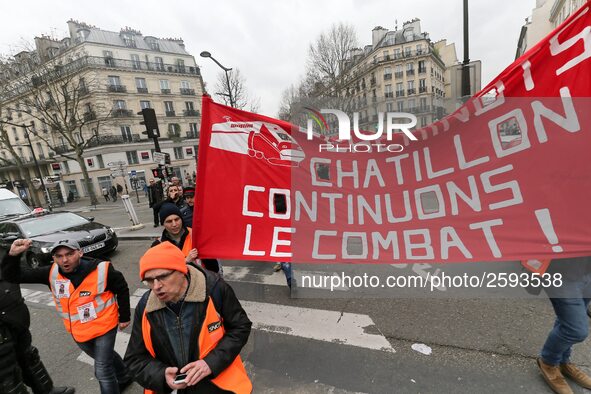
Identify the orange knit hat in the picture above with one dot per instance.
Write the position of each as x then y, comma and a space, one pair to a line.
165, 256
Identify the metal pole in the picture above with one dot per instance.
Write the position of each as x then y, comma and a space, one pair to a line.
38, 168
465, 65
229, 89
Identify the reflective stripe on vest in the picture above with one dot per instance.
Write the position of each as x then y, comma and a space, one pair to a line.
234, 377
188, 245
89, 310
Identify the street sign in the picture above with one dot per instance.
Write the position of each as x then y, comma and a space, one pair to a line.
159, 157
133, 172
117, 173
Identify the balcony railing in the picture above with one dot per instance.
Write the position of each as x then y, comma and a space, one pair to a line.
389, 94
422, 70
410, 72
398, 74
411, 91
142, 90
191, 112
422, 89
387, 77
165, 91
400, 93
117, 88
192, 134
170, 113
188, 92
121, 113
99, 141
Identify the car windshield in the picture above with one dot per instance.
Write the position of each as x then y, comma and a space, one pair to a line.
13, 207
51, 223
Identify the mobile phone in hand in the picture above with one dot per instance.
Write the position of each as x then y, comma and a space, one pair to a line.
180, 378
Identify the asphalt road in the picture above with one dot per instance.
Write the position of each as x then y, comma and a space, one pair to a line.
334, 343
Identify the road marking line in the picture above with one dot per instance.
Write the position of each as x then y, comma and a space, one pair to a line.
322, 325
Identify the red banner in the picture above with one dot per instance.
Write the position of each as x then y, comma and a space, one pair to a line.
506, 177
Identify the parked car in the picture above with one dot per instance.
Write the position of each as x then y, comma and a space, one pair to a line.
44, 229
11, 205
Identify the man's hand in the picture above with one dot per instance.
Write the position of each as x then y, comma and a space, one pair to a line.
123, 325
19, 246
193, 254
196, 371
169, 374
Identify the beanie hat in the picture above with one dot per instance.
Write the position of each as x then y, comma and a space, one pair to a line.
164, 255
168, 209
189, 192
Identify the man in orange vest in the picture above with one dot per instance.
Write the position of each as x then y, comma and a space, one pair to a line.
188, 330
92, 298
181, 236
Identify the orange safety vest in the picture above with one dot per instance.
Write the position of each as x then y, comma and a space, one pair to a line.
188, 245
536, 266
233, 378
89, 310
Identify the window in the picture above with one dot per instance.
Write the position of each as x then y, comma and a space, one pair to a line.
422, 67
101, 163
159, 63
390, 107
40, 151
388, 91
119, 104
419, 49
180, 65
410, 67
135, 62
407, 52
185, 85
423, 103
386, 55
132, 157
90, 162
411, 84
140, 84
114, 80
169, 108
396, 53
178, 153
400, 105
194, 127
189, 106
145, 104
411, 104
422, 85
126, 134
15, 134
164, 86
108, 55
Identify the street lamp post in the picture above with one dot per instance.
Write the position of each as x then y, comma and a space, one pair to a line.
47, 196
207, 54
466, 63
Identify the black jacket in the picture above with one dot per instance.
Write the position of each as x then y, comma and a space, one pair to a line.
13, 310
149, 372
116, 283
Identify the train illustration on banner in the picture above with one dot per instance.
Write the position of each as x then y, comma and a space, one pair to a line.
260, 140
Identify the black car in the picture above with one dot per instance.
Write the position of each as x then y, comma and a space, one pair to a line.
45, 229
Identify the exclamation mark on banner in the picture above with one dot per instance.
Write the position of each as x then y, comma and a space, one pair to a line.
543, 216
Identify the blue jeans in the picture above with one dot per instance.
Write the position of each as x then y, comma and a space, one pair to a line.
572, 323
108, 365
286, 268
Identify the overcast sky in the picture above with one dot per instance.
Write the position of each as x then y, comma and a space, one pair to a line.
268, 40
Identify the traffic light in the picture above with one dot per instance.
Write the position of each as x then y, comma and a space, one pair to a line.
166, 158
157, 172
150, 122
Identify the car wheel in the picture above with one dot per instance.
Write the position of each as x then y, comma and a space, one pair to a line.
33, 260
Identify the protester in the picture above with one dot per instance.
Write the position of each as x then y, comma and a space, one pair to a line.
155, 197
177, 182
189, 195
91, 306
20, 363
181, 236
105, 193
189, 322
570, 301
113, 192
174, 196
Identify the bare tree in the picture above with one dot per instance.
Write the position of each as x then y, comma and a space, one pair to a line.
53, 95
237, 88
327, 56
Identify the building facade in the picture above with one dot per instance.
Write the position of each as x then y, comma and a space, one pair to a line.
545, 17
401, 71
111, 77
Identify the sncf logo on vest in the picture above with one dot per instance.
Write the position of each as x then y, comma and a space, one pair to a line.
85, 294
214, 326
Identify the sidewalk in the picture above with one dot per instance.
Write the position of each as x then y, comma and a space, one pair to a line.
112, 213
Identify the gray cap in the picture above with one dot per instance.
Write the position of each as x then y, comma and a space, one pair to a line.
74, 245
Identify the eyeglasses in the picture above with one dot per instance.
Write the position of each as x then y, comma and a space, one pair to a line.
160, 278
